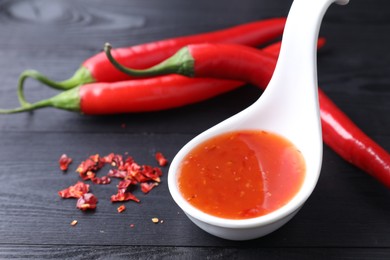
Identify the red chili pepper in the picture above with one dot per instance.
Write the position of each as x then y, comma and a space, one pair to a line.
98, 68
351, 143
226, 61
256, 67
137, 95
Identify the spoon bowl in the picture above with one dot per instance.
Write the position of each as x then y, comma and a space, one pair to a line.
288, 107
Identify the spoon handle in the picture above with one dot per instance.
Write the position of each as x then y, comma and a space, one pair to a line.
293, 90
297, 63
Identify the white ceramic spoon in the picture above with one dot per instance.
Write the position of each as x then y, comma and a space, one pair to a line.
289, 107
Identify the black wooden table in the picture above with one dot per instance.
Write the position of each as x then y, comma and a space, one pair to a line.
347, 216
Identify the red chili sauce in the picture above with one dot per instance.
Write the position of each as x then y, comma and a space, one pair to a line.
241, 175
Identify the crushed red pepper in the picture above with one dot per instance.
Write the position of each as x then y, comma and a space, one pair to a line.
124, 196
124, 184
117, 174
130, 173
162, 161
101, 180
75, 191
64, 162
146, 186
87, 201
151, 173
121, 208
87, 168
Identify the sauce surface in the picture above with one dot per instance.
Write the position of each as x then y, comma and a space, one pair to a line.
241, 175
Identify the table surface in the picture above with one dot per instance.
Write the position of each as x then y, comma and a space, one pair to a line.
347, 216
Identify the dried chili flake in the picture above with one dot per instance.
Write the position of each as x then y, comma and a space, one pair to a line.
127, 163
129, 160
75, 191
128, 170
101, 180
162, 161
134, 173
74, 223
133, 168
84, 168
151, 173
117, 161
64, 162
124, 196
121, 208
138, 176
88, 176
146, 186
132, 225
117, 174
92, 164
87, 201
124, 185
108, 158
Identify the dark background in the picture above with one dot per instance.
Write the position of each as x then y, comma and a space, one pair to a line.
347, 216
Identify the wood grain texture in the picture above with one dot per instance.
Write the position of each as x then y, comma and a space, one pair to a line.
348, 215
212, 253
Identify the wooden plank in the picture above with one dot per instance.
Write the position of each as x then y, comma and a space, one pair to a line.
141, 252
347, 209
346, 217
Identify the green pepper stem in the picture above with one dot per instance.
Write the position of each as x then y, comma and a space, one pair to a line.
67, 100
180, 63
27, 107
81, 76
